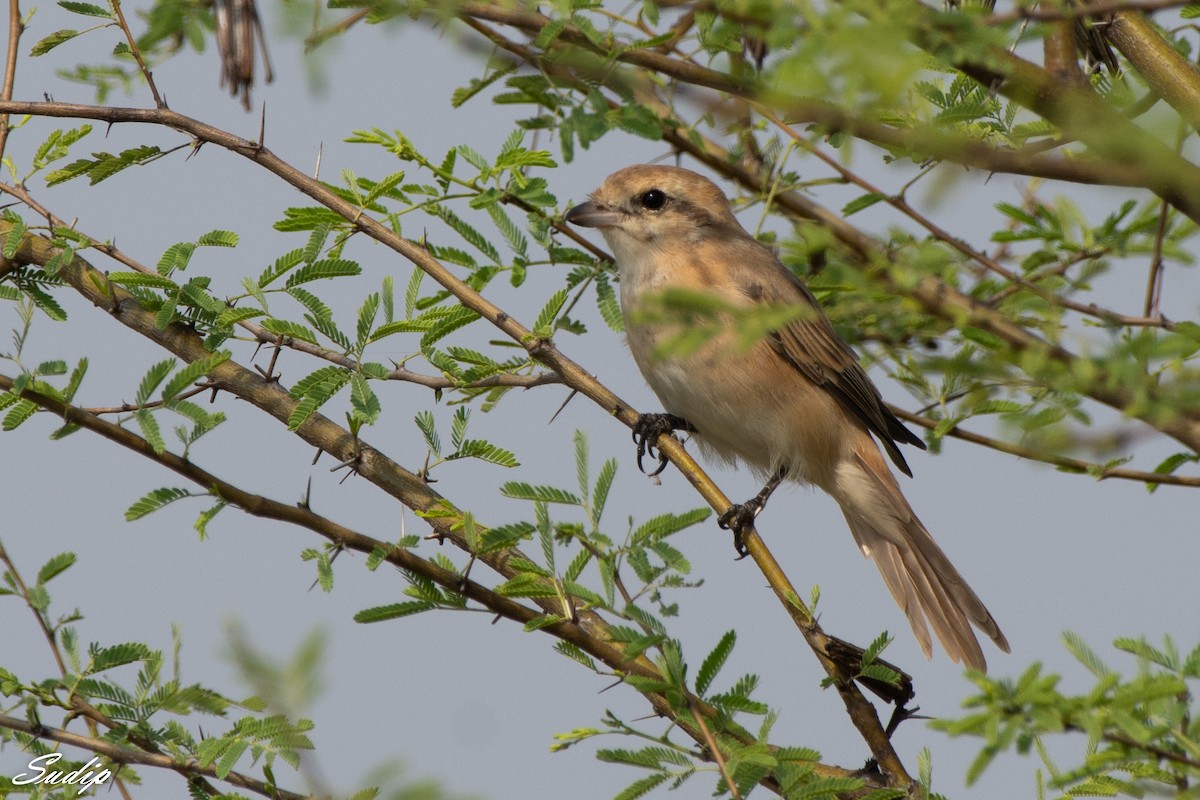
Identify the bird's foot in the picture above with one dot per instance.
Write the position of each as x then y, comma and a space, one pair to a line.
646, 431
739, 518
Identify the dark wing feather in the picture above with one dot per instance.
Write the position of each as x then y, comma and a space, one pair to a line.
811, 345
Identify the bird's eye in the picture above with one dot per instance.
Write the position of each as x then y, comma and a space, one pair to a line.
653, 200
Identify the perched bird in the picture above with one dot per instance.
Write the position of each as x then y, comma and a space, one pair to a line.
794, 405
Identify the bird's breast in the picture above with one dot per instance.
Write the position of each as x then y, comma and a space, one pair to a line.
748, 404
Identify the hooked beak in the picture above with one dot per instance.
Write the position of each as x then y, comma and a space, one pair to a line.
590, 215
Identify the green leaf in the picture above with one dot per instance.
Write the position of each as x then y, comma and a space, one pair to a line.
600, 492
292, 329
1085, 655
282, 266
541, 621
462, 94
525, 585
512, 234
48, 305
363, 400
669, 523
206, 516
861, 202
57, 145
546, 494
324, 375
86, 9
21, 411
192, 373
307, 218
550, 32
12, 237
574, 652
366, 318
383, 187
102, 165
326, 268
154, 501
218, 238
118, 655
232, 316
714, 661
59, 260
638, 120
52, 41
458, 426
153, 377
545, 318
452, 320
55, 566
1174, 461
642, 786
468, 234
316, 392
485, 451
412, 292
143, 279
177, 256
610, 309
519, 158
876, 647
581, 462
393, 611
150, 430
428, 428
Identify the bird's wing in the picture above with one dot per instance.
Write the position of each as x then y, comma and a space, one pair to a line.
811, 345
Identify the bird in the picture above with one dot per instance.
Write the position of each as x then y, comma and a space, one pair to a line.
794, 405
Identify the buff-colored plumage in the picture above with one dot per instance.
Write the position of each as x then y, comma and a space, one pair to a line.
798, 399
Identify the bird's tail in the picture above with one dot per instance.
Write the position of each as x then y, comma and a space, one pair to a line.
921, 579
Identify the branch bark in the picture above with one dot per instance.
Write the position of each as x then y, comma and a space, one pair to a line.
589, 631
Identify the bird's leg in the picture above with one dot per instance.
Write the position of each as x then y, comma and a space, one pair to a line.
740, 516
647, 430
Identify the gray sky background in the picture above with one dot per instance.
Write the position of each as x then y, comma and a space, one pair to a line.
456, 698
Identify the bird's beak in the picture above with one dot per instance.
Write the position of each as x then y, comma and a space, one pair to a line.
590, 215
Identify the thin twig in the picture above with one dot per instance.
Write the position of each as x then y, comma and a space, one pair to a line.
898, 202
1098, 471
131, 40
15, 29
1043, 13
126, 408
1155, 276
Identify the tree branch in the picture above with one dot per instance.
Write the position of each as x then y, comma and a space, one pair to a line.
126, 755
935, 296
1166, 71
590, 631
1098, 471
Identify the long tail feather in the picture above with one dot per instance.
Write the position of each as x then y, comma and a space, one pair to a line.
924, 583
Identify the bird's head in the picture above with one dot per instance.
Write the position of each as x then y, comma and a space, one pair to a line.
655, 207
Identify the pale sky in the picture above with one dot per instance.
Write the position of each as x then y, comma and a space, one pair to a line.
455, 698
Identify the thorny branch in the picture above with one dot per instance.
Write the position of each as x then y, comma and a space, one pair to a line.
588, 631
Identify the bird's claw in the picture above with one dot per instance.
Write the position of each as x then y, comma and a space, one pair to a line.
646, 431
739, 518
